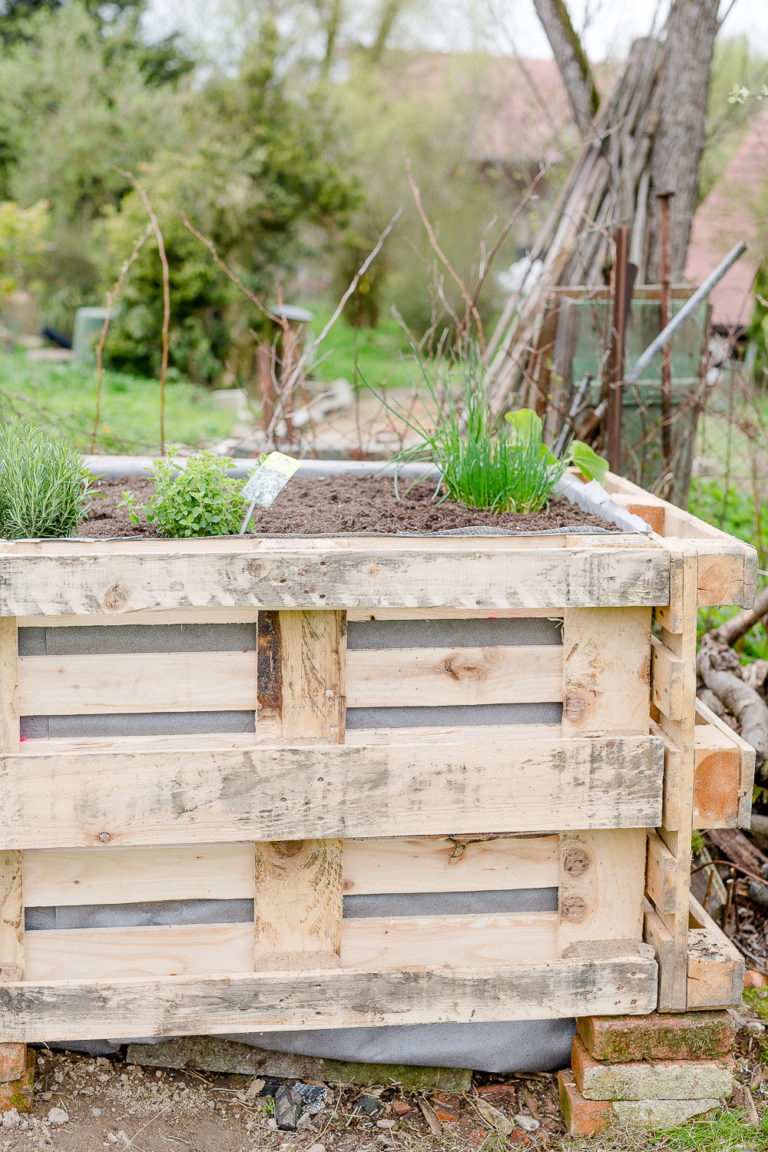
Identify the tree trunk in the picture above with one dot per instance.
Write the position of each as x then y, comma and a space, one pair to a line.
679, 139
571, 60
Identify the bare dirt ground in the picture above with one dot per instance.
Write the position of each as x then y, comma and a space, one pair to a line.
87, 1105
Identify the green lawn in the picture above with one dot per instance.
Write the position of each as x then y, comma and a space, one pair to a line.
369, 355
63, 397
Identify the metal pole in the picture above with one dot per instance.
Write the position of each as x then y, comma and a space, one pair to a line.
621, 290
666, 358
690, 306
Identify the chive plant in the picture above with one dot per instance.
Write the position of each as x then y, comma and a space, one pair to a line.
484, 463
44, 483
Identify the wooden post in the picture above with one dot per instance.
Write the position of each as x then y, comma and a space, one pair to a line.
298, 899
602, 872
674, 693
12, 1056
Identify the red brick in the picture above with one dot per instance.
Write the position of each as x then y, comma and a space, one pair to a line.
650, 1079
400, 1108
498, 1093
445, 1111
18, 1093
582, 1117
660, 1036
13, 1061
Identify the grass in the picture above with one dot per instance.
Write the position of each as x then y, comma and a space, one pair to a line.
63, 397
371, 354
727, 1130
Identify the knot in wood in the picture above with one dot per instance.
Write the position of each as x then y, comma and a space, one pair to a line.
573, 909
287, 848
576, 861
114, 599
104, 837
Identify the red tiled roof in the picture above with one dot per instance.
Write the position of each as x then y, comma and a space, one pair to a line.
735, 209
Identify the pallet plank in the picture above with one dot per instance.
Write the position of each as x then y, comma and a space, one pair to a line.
137, 682
330, 998
450, 865
606, 670
298, 892
275, 793
437, 677
715, 967
120, 953
263, 574
601, 885
74, 876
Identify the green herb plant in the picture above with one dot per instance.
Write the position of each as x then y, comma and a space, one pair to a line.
192, 497
45, 486
499, 466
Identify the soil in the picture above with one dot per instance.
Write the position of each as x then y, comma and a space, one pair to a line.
111, 1104
341, 505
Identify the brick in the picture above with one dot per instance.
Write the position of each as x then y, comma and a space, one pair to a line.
582, 1117
498, 1093
591, 1117
18, 1093
645, 1080
684, 1036
13, 1061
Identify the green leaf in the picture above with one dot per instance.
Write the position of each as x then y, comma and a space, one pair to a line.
526, 426
587, 461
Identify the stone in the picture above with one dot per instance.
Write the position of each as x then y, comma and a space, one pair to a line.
18, 1094
646, 1080
58, 1116
13, 1061
659, 1036
592, 1117
401, 1108
370, 1105
214, 1054
11, 1119
527, 1123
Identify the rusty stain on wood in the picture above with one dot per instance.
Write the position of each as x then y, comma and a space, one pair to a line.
270, 678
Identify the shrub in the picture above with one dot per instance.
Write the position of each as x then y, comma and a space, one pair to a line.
44, 483
194, 497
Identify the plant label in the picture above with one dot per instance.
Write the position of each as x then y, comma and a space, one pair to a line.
267, 481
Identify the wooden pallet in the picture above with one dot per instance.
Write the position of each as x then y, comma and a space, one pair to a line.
301, 812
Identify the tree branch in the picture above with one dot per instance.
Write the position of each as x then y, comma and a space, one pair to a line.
571, 60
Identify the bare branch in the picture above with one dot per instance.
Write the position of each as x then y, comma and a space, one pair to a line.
166, 295
111, 297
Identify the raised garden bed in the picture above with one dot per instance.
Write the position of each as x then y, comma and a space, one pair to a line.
418, 777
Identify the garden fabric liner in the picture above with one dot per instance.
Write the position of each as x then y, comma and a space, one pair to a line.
488, 1047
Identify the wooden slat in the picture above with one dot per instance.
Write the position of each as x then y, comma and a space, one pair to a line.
11, 896
270, 733
275, 793
171, 616
682, 649
371, 943
746, 754
715, 966
434, 677
668, 675
298, 883
717, 783
450, 865
661, 875
119, 953
329, 998
602, 877
134, 875
362, 615
458, 941
262, 574
137, 682
606, 670
672, 772
659, 936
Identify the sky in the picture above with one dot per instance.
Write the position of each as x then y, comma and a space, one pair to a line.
499, 26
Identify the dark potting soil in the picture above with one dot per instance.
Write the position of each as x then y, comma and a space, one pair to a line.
340, 505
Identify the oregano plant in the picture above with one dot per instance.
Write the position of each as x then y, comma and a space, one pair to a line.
192, 497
